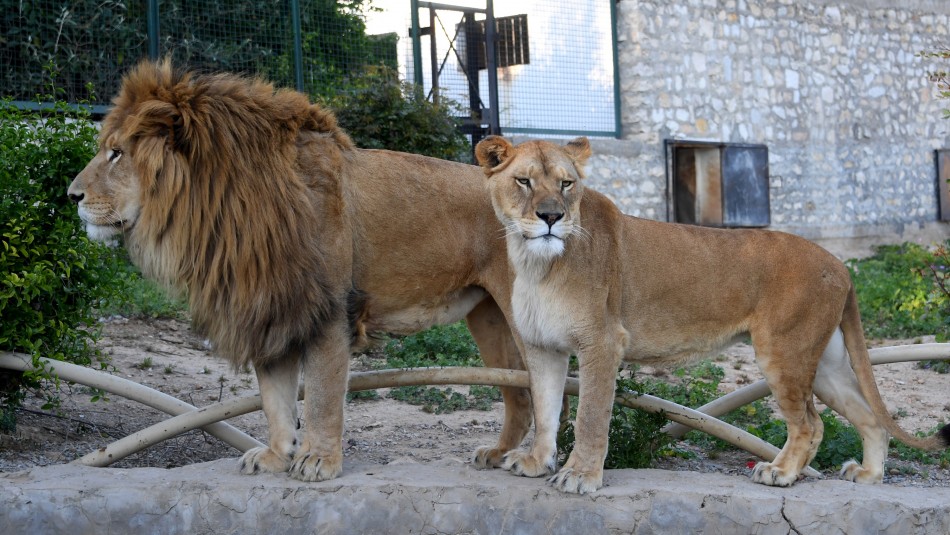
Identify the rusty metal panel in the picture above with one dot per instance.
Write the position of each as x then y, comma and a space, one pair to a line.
745, 186
943, 188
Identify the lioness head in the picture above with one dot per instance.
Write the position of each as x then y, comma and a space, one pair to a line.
536, 190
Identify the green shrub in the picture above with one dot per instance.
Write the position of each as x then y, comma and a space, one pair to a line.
635, 438
51, 276
444, 400
141, 297
380, 112
444, 345
897, 292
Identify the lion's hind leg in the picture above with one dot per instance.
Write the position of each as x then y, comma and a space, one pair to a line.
837, 386
278, 386
495, 343
790, 380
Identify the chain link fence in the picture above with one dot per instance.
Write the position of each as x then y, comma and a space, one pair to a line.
556, 66
314, 45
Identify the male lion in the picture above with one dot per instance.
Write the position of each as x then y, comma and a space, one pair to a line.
291, 244
608, 286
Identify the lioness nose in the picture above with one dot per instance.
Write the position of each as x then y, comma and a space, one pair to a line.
75, 197
550, 217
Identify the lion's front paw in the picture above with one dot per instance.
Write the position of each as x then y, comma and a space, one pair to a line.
309, 466
576, 481
257, 460
769, 474
488, 457
522, 463
853, 471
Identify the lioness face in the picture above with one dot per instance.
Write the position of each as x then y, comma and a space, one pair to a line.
536, 190
107, 192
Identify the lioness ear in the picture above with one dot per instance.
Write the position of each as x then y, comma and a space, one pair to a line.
492, 152
579, 149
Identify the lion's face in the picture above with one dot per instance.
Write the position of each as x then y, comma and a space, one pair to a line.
536, 190
107, 192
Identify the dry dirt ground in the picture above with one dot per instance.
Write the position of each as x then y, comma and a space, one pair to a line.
164, 354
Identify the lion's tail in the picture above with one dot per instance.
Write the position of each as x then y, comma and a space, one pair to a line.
861, 363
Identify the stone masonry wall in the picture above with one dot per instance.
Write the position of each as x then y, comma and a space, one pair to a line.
833, 88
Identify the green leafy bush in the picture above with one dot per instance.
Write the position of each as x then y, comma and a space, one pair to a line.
635, 438
446, 400
897, 294
380, 112
51, 276
444, 345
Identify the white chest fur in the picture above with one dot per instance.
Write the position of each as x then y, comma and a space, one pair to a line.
540, 319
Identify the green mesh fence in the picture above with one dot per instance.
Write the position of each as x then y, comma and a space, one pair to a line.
555, 67
91, 43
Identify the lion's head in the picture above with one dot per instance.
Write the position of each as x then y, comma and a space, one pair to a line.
536, 189
222, 189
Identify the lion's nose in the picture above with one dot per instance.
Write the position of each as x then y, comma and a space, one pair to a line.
550, 217
75, 197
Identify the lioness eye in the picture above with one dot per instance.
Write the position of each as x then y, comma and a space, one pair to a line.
523, 181
115, 154
566, 184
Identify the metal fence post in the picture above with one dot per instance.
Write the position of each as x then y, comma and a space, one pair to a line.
618, 124
298, 46
152, 28
416, 44
492, 68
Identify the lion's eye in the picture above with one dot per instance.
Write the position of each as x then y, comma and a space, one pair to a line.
115, 153
524, 181
567, 184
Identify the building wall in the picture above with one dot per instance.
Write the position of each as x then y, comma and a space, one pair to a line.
833, 88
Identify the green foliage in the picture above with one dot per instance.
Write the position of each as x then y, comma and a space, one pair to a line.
95, 41
635, 438
906, 453
142, 298
840, 443
51, 276
380, 112
444, 400
445, 345
940, 77
898, 292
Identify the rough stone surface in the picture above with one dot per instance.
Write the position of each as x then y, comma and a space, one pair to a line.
447, 497
835, 89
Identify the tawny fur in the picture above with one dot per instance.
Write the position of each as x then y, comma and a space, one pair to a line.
610, 287
292, 246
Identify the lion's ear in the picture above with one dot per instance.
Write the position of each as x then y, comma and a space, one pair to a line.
579, 149
154, 118
492, 152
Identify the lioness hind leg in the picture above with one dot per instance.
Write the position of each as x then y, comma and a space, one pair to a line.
278, 386
547, 370
837, 386
792, 388
325, 368
497, 347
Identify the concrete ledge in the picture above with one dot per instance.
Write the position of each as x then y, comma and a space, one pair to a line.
447, 497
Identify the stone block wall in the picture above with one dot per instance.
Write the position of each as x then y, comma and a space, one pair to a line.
833, 88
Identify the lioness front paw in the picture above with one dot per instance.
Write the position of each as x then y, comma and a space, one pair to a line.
488, 457
854, 471
769, 474
257, 460
522, 463
576, 481
309, 466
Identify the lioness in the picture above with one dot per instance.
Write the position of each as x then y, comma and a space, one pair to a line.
292, 245
591, 280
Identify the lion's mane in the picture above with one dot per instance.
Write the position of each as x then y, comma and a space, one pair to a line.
227, 217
